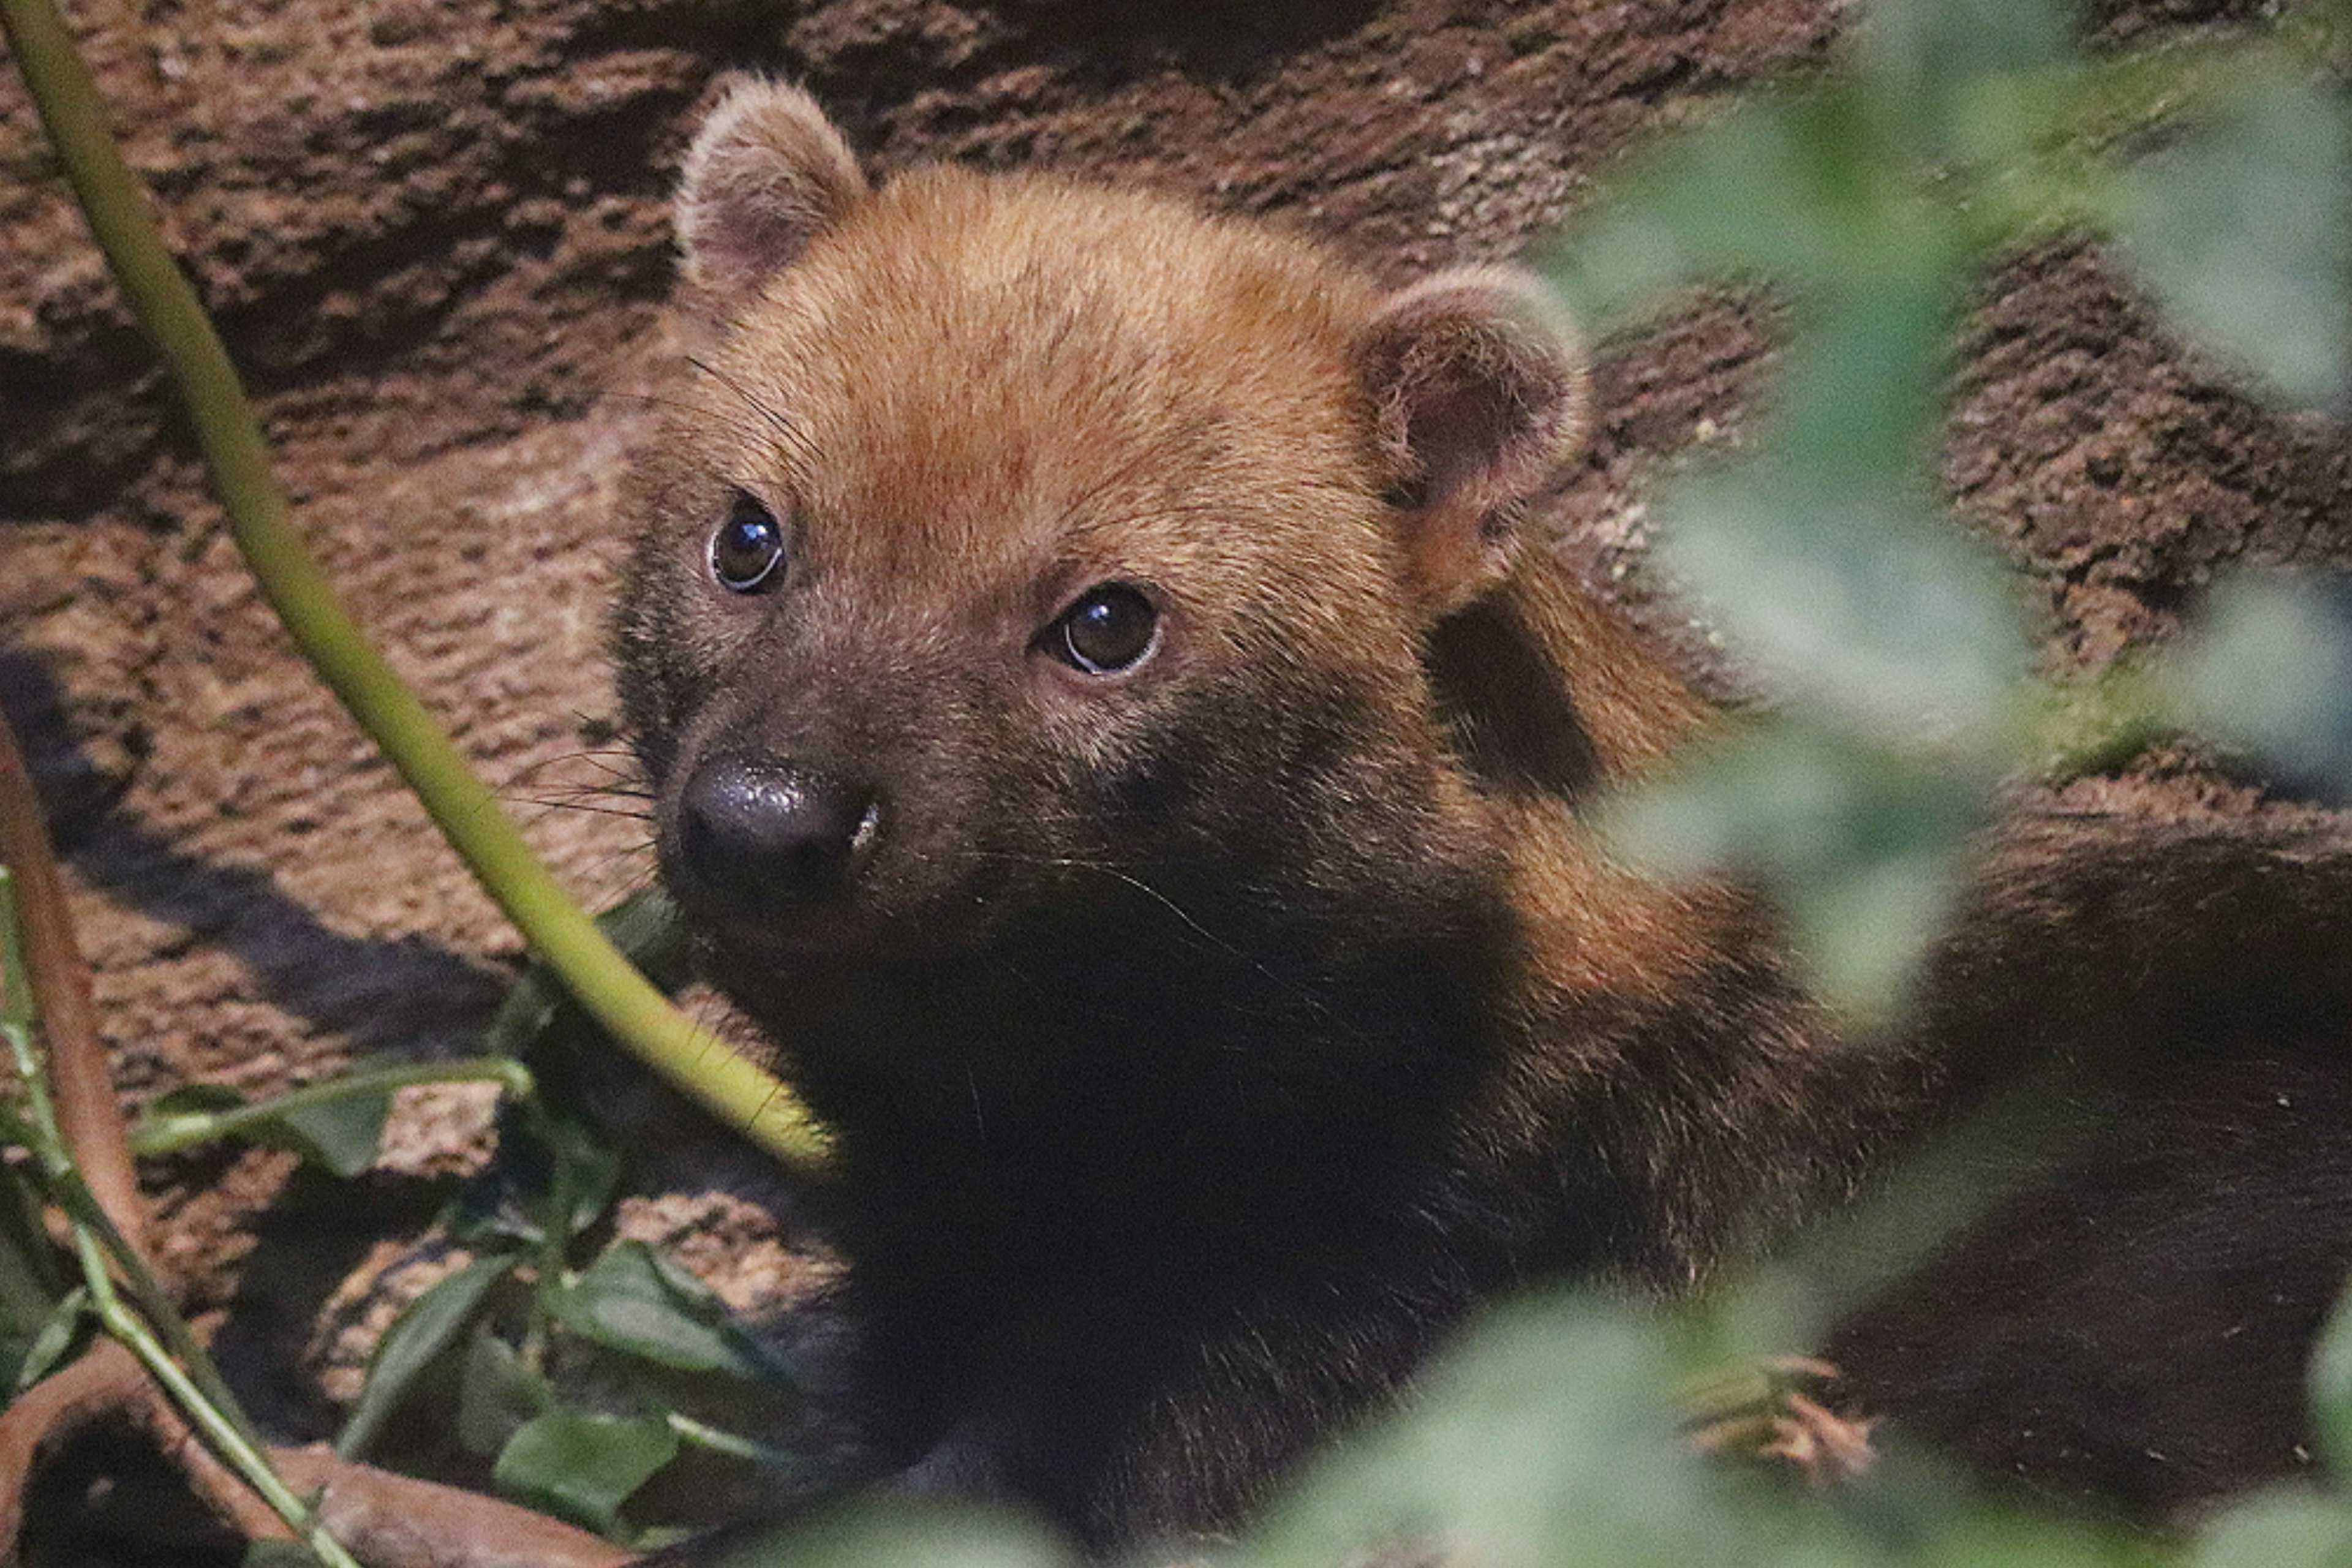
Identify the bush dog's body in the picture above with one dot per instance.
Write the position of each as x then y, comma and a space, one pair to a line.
1109, 732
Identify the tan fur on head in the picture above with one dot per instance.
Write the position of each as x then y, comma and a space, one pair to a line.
1479, 385
766, 173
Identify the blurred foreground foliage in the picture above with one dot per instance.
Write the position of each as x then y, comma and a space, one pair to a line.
1874, 201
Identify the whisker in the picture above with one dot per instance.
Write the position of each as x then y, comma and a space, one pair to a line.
749, 429
625, 769
547, 805
1211, 941
792, 435
599, 758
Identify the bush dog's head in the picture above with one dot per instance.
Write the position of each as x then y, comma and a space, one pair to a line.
1014, 539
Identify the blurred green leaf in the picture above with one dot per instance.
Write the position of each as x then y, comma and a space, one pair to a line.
425, 1328
1848, 602
2290, 1527
35, 1289
1826, 558
496, 1393
910, 1533
339, 1132
2331, 1388
1939, 72
2269, 668
1544, 1439
2244, 225
583, 1466
1859, 405
1777, 187
634, 1300
1860, 843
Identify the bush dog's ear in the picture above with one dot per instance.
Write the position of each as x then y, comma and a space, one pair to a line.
767, 172
1477, 384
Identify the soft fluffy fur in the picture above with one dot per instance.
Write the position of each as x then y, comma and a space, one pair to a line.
1202, 1040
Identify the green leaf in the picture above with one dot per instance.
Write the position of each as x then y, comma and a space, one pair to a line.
583, 1468
35, 1289
552, 1176
2244, 227
341, 1135
1546, 1438
1859, 842
2269, 668
496, 1394
2331, 1387
647, 929
338, 1132
1855, 602
909, 1531
1940, 73
634, 1300
425, 1328
574, 1170
1826, 558
1777, 187
2283, 1529
46, 1349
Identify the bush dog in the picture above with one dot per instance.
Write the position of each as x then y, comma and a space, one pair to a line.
1110, 728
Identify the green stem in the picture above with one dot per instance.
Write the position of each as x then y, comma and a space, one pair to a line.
72, 1195
245, 1458
186, 1129
99, 1250
259, 519
734, 1444
62, 1179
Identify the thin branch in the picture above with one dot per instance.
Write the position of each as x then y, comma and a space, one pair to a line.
99, 1249
88, 1114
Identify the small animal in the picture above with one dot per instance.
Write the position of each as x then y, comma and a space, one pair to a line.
1111, 728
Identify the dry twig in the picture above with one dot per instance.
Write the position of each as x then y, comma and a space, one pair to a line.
88, 1112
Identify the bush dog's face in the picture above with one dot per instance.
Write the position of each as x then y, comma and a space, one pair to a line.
1014, 542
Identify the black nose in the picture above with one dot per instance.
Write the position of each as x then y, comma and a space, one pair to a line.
766, 833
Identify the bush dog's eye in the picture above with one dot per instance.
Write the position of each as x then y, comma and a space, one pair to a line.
747, 550
1111, 628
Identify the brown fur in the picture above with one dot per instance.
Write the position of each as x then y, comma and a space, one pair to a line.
1203, 1037
1289, 941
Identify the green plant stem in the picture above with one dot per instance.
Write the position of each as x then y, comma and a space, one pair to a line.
189, 1129
734, 1444
61, 1178
259, 519
242, 1455
101, 1250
